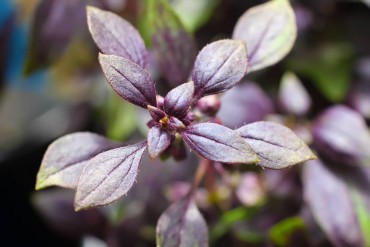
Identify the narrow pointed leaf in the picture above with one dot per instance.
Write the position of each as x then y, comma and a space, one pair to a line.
108, 176
277, 146
115, 36
341, 135
218, 143
174, 47
65, 158
219, 66
158, 141
178, 101
293, 97
129, 80
269, 31
329, 198
156, 113
182, 225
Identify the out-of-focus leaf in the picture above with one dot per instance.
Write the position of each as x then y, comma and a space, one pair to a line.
244, 104
359, 98
277, 146
65, 158
129, 80
250, 190
269, 31
178, 101
116, 36
293, 97
55, 24
175, 48
363, 214
228, 219
182, 225
108, 176
89, 241
284, 232
120, 118
194, 13
219, 66
158, 141
329, 67
329, 199
341, 135
56, 207
218, 143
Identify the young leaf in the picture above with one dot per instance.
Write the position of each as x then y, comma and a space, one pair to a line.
65, 158
218, 143
341, 135
174, 47
182, 225
108, 176
293, 97
156, 113
329, 199
219, 66
129, 80
246, 103
277, 146
178, 101
158, 141
269, 31
115, 36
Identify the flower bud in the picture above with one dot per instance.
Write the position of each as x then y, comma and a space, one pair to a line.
209, 105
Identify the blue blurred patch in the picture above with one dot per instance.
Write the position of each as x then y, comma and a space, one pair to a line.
17, 54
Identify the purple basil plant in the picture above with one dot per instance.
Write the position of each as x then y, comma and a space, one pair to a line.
102, 171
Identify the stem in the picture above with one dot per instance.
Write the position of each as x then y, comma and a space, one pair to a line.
204, 165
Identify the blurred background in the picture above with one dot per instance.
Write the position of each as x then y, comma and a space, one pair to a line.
51, 85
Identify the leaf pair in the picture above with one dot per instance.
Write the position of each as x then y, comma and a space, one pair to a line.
99, 170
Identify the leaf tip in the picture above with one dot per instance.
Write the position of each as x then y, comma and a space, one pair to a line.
92, 10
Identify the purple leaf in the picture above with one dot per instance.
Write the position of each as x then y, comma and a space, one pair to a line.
178, 101
330, 201
341, 135
182, 225
359, 98
293, 97
276, 146
54, 26
174, 46
65, 158
269, 31
158, 141
244, 104
129, 80
108, 176
218, 143
156, 113
219, 66
115, 36
56, 207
